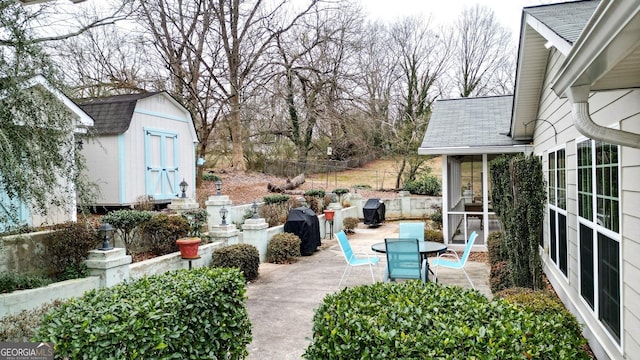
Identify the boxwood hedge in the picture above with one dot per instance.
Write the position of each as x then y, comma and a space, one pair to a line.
411, 320
183, 314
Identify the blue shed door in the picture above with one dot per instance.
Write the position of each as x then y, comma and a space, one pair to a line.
13, 213
161, 160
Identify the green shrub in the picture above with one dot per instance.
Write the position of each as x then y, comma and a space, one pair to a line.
283, 248
495, 248
499, 277
349, 224
184, 314
68, 248
543, 303
242, 256
162, 231
22, 327
433, 235
210, 177
436, 215
315, 193
275, 199
127, 222
362, 186
197, 219
411, 320
340, 191
10, 282
426, 184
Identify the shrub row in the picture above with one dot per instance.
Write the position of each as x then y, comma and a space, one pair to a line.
184, 314
10, 282
411, 320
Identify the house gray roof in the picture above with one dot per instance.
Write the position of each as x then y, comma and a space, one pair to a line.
470, 122
112, 115
567, 19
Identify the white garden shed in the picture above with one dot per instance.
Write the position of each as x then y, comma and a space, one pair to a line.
144, 146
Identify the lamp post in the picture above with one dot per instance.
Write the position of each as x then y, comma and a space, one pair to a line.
254, 208
183, 187
218, 187
104, 231
223, 215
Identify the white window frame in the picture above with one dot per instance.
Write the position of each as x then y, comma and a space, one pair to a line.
596, 228
557, 210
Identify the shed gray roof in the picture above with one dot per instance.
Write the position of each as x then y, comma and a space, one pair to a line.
112, 115
565, 19
470, 122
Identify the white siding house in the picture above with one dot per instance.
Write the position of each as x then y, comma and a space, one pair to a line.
577, 101
144, 146
17, 213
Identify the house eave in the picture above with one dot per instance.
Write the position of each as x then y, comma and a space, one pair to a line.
475, 150
611, 39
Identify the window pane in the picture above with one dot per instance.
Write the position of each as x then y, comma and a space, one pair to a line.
609, 284
607, 186
585, 193
586, 264
552, 235
552, 178
562, 243
561, 179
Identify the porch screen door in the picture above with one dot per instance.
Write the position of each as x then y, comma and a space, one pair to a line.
161, 160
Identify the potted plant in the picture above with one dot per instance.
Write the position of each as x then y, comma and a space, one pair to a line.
189, 245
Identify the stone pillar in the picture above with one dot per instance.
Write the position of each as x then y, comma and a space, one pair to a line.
356, 200
214, 204
226, 233
255, 233
112, 266
405, 204
181, 205
337, 217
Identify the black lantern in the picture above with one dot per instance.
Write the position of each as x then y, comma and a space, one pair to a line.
183, 187
105, 231
223, 215
254, 208
218, 187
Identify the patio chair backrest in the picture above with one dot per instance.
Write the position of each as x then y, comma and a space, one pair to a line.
403, 258
411, 230
345, 246
467, 249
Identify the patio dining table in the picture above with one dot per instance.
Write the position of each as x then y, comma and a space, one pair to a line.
425, 248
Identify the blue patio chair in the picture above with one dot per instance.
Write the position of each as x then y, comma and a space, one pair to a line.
411, 230
352, 259
455, 262
404, 260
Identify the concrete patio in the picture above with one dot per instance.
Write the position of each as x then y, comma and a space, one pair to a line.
282, 301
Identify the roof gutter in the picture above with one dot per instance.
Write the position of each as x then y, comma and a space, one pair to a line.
592, 59
579, 96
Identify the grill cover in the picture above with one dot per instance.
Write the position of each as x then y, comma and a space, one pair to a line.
303, 222
373, 212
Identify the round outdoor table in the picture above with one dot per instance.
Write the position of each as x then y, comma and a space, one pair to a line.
425, 247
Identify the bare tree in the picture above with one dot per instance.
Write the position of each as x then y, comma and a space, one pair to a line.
315, 70
483, 61
423, 55
185, 36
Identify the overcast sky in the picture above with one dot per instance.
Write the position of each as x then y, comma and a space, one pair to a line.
508, 12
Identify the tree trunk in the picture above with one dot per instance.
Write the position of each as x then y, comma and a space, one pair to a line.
237, 159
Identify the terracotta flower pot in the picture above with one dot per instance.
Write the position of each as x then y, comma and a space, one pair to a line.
189, 247
328, 215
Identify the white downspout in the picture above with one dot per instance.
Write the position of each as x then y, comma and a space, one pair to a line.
579, 97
